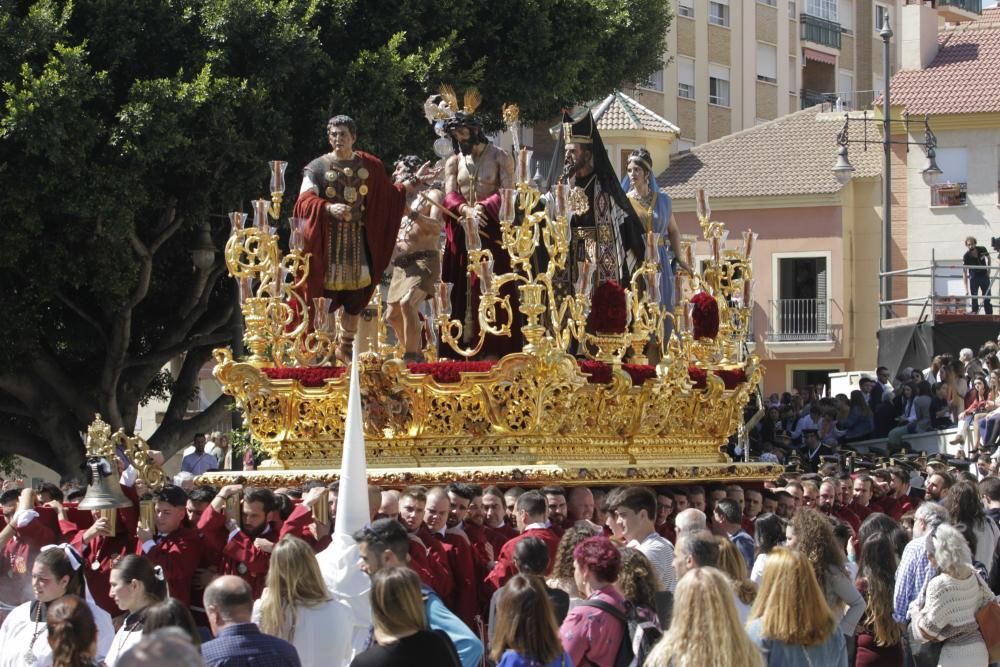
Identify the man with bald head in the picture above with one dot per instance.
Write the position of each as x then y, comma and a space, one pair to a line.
689, 521
455, 549
238, 641
580, 506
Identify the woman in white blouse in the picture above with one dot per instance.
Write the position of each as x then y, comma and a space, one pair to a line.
136, 585
297, 607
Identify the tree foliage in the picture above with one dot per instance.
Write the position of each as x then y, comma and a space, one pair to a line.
127, 127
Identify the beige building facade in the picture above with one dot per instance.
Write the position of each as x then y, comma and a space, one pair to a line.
734, 64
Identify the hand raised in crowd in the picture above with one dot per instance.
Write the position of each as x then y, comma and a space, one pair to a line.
143, 533
338, 211
58, 507
267, 546
100, 528
312, 496
155, 457
319, 530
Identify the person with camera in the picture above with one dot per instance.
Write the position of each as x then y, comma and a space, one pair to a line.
977, 276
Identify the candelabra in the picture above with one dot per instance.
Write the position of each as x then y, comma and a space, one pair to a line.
275, 314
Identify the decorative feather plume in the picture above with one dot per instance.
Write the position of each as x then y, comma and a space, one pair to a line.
448, 93
472, 100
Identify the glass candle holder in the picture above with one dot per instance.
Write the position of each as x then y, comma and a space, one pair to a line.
277, 175
321, 313
297, 240
237, 221
486, 276
472, 240
508, 204
560, 194
260, 207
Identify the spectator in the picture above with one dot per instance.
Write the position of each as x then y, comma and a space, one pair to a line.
915, 569
386, 544
72, 632
171, 613
24, 631
296, 606
238, 641
589, 633
978, 401
754, 505
532, 559
791, 618
964, 506
638, 584
942, 414
769, 532
947, 610
938, 486
690, 520
977, 276
860, 421
726, 518
916, 417
705, 631
562, 576
694, 550
580, 505
166, 647
526, 634
634, 510
813, 536
401, 634
198, 462
731, 563
136, 584
878, 638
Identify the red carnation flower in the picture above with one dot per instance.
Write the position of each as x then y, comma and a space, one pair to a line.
608, 310
705, 315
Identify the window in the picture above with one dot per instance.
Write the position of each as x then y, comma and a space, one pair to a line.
654, 82
718, 85
684, 145
685, 78
685, 8
824, 9
801, 311
845, 88
792, 14
881, 14
767, 63
718, 12
845, 10
952, 184
878, 84
773, 3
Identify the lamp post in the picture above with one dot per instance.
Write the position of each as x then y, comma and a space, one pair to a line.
843, 169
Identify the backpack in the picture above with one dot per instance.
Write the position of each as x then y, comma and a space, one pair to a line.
640, 634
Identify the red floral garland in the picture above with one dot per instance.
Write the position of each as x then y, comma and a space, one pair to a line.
608, 313
705, 316
450, 372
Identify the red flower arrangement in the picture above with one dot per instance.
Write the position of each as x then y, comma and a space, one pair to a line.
705, 316
312, 376
608, 312
448, 372
600, 373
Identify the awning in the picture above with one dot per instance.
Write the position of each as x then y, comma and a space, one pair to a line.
819, 56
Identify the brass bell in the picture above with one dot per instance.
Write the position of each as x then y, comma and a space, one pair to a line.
103, 490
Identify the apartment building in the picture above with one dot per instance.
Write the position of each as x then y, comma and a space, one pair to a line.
733, 64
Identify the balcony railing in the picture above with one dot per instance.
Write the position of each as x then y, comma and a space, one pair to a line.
799, 320
811, 98
968, 5
820, 31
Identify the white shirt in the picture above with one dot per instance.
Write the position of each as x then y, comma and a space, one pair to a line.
660, 553
322, 635
18, 628
123, 641
757, 573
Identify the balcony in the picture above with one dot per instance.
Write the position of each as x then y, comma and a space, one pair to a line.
799, 321
811, 98
957, 11
820, 31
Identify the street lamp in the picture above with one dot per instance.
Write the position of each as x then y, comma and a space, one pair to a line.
203, 252
843, 169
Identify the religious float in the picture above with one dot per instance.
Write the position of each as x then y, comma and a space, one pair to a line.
608, 387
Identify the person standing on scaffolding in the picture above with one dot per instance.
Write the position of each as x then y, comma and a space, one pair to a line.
977, 279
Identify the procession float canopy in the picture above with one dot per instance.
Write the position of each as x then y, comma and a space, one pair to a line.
600, 393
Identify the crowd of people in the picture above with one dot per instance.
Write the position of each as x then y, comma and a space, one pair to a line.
806, 424
827, 568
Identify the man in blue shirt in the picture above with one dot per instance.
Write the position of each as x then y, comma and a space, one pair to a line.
386, 544
915, 569
238, 641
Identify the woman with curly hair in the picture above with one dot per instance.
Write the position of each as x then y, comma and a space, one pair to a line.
790, 621
878, 633
734, 566
946, 609
637, 582
811, 534
561, 576
705, 631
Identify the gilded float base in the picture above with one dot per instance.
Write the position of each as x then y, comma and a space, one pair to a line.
528, 476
